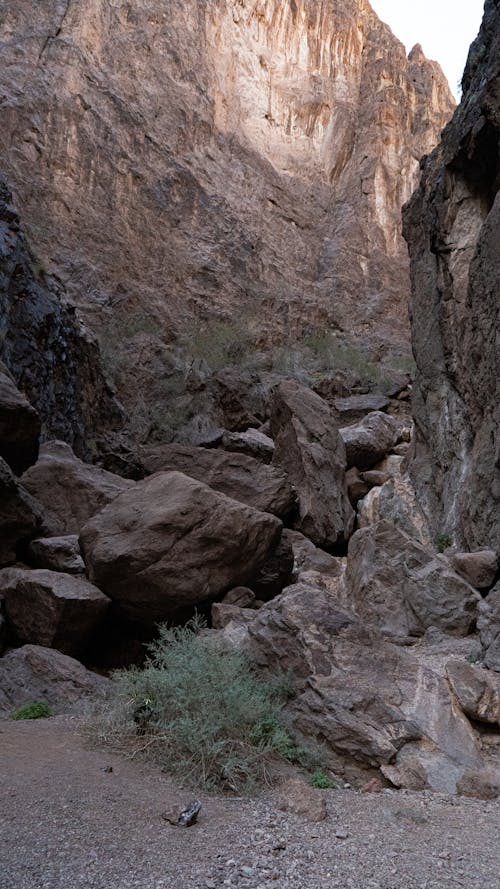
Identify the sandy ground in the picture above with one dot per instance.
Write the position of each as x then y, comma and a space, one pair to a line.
66, 822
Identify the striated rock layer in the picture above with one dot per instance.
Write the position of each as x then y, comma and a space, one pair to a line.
193, 159
451, 225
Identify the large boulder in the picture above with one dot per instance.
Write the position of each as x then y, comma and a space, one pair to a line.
479, 568
21, 517
309, 448
368, 441
33, 673
488, 625
19, 425
477, 691
57, 554
402, 587
252, 442
70, 490
172, 542
236, 475
51, 609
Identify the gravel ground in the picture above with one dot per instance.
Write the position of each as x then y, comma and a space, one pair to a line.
68, 823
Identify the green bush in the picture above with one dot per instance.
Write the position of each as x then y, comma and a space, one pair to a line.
442, 542
34, 710
198, 711
321, 780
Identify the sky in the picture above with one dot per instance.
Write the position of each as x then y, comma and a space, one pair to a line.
444, 28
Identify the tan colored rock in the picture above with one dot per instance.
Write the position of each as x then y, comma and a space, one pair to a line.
403, 588
236, 475
33, 673
309, 448
395, 502
70, 490
57, 554
52, 609
370, 440
240, 596
479, 568
299, 798
477, 691
19, 425
171, 542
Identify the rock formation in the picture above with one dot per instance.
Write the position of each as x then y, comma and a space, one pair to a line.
451, 225
217, 158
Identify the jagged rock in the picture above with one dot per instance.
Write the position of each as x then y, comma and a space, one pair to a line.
395, 502
275, 573
19, 425
488, 625
357, 487
477, 691
374, 477
308, 557
52, 609
451, 225
57, 554
236, 475
71, 491
200, 431
299, 798
240, 596
251, 442
478, 568
21, 517
171, 542
356, 406
400, 586
34, 673
370, 440
310, 450
222, 615
242, 398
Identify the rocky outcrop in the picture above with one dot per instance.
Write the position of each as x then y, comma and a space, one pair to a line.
53, 359
171, 542
223, 159
451, 225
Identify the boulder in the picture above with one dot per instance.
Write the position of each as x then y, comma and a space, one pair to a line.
33, 673
397, 584
19, 425
21, 517
70, 490
310, 450
368, 441
308, 557
479, 568
241, 596
200, 431
488, 625
57, 554
299, 798
252, 442
275, 573
238, 476
477, 691
171, 542
51, 609
395, 502
222, 615
242, 398
354, 407
357, 487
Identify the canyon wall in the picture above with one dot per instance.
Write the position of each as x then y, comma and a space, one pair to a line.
452, 225
192, 160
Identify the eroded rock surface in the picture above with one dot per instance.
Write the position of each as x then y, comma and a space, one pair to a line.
19, 425
21, 516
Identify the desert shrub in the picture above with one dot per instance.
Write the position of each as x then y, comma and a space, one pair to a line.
34, 710
198, 711
321, 780
221, 344
442, 542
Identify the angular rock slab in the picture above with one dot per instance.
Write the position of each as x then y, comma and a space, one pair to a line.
51, 609
310, 450
70, 490
477, 691
236, 475
368, 441
57, 554
19, 425
488, 625
34, 673
21, 517
171, 542
396, 584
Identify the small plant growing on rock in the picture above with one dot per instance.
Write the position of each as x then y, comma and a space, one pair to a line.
34, 710
442, 542
321, 780
198, 711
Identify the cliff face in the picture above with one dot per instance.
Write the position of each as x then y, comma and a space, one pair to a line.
451, 225
197, 159
52, 358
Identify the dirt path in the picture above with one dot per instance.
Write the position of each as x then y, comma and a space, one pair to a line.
66, 823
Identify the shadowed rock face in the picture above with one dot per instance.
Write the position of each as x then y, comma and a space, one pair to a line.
451, 225
196, 158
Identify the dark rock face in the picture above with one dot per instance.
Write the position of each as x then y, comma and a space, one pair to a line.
52, 358
21, 517
19, 425
451, 225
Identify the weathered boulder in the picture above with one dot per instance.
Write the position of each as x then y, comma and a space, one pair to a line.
479, 568
21, 517
171, 542
223, 614
451, 225
354, 407
395, 502
57, 554
236, 475
477, 691
240, 596
299, 798
368, 441
310, 449
19, 425
34, 673
308, 557
400, 586
488, 625
71, 491
252, 442
357, 487
52, 609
